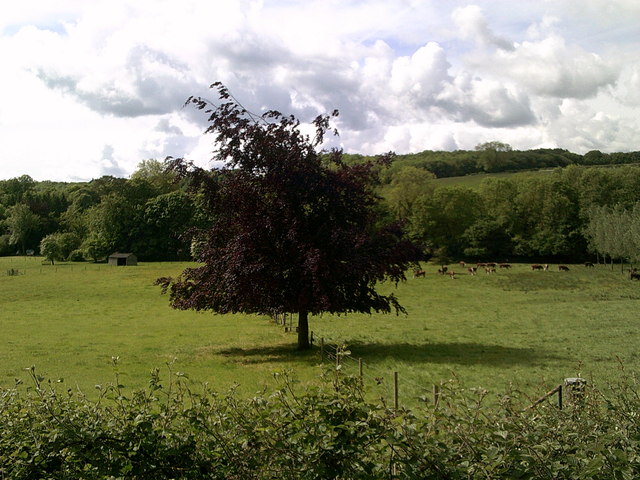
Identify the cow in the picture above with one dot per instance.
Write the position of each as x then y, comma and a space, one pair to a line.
462, 264
442, 270
452, 275
536, 266
472, 270
563, 268
546, 267
634, 276
504, 265
588, 264
489, 270
490, 264
419, 273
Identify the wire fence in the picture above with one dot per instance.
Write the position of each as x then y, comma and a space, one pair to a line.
392, 387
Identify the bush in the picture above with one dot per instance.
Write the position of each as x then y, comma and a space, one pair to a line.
76, 256
172, 431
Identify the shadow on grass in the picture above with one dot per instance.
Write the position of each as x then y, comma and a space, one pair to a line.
455, 353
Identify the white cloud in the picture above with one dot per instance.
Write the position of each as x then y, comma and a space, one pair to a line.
473, 25
405, 75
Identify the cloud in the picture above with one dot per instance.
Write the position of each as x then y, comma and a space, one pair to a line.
550, 67
79, 76
109, 165
473, 25
149, 83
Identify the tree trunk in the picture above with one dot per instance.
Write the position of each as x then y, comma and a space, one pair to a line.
303, 330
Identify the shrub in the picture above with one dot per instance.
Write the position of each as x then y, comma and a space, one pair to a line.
173, 431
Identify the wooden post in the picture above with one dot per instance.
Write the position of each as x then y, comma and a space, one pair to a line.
395, 390
360, 371
436, 395
559, 397
321, 349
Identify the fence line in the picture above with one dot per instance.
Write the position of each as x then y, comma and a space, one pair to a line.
335, 352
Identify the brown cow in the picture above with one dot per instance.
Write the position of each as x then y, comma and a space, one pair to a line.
504, 265
442, 270
452, 275
563, 268
462, 264
472, 270
588, 264
634, 276
537, 266
489, 270
419, 273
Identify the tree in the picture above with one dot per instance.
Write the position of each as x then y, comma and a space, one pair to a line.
50, 248
494, 156
22, 224
440, 219
406, 186
154, 172
292, 231
167, 220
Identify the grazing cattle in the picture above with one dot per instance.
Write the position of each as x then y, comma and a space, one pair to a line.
504, 265
537, 267
634, 276
563, 268
419, 273
472, 270
546, 267
490, 264
462, 264
442, 270
588, 264
481, 264
489, 270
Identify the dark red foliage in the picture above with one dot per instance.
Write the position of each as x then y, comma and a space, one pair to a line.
293, 231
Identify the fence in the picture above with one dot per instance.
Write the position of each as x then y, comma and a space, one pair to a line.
390, 383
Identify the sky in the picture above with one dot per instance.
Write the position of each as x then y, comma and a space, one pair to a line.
91, 88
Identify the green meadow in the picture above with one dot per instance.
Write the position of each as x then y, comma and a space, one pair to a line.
515, 328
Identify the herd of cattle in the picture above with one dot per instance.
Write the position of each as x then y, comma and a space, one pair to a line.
490, 267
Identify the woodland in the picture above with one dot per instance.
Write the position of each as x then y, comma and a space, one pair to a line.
530, 205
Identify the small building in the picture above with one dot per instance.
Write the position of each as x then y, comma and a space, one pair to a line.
123, 259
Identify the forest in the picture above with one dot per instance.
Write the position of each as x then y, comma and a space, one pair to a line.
584, 207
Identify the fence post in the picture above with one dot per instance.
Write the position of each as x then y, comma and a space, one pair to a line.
395, 390
360, 371
559, 397
436, 395
321, 349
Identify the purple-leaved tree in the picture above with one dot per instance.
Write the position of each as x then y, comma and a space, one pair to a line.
292, 230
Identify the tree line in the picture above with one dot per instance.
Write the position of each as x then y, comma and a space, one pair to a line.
573, 213
570, 214
150, 214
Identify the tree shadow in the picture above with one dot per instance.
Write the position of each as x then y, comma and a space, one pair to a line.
459, 353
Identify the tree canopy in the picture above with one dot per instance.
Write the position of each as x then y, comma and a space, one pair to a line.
292, 230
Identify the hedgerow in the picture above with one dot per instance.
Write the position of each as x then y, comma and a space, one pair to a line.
172, 430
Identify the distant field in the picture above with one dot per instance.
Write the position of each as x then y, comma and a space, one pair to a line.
473, 181
515, 327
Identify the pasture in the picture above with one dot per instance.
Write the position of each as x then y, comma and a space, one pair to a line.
514, 328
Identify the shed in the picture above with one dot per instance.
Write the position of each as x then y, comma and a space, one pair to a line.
123, 259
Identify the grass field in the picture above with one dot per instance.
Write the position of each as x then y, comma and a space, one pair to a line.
515, 327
